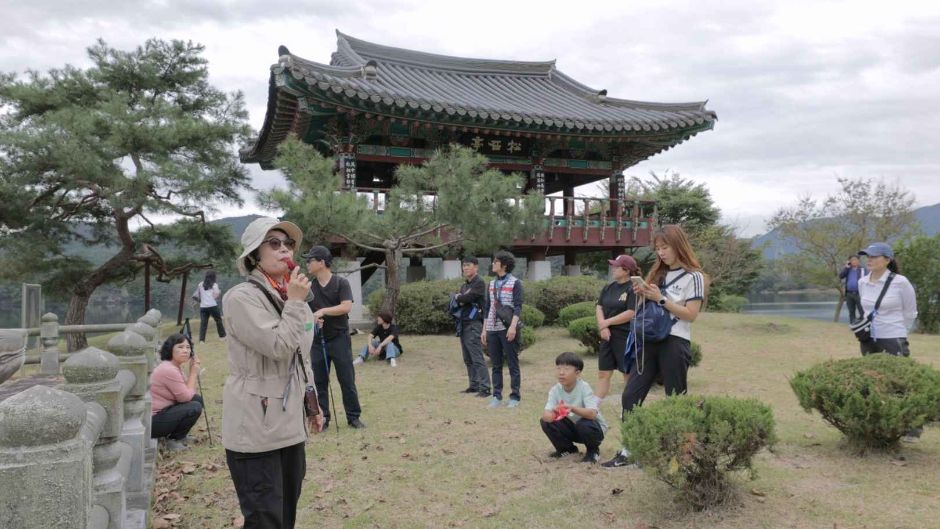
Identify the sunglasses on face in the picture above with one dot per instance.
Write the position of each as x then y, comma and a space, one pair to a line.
276, 243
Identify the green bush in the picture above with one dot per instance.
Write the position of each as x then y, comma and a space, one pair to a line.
421, 306
585, 330
694, 443
531, 316
552, 295
873, 400
729, 303
696, 350
526, 338
574, 312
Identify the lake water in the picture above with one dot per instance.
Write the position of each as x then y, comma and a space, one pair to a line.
809, 305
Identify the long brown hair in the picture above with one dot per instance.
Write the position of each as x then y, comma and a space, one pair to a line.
673, 236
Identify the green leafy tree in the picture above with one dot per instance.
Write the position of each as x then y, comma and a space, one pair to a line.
86, 154
920, 257
451, 200
827, 231
680, 201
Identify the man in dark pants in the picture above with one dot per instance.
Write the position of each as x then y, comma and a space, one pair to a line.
850, 276
502, 341
470, 297
332, 301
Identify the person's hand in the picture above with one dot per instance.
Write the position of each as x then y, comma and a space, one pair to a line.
483, 340
316, 422
649, 292
511, 333
605, 334
298, 287
371, 350
194, 362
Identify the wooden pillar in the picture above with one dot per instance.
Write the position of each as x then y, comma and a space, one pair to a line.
568, 191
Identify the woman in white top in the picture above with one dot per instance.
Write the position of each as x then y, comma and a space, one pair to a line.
898, 310
207, 294
677, 283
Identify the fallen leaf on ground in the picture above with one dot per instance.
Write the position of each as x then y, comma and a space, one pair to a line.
758, 492
617, 491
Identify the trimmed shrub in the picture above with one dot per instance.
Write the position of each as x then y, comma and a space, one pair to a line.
531, 316
526, 338
695, 443
696, 350
574, 312
552, 295
421, 306
585, 330
729, 303
873, 400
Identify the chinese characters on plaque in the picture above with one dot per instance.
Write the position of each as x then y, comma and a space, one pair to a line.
348, 167
538, 179
484, 144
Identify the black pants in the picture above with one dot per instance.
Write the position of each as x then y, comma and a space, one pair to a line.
501, 349
177, 420
892, 346
472, 349
339, 354
670, 358
268, 485
564, 433
854, 303
204, 315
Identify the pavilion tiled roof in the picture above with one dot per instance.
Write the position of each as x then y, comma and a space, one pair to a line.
502, 95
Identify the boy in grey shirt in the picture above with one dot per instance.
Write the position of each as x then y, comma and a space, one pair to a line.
572, 412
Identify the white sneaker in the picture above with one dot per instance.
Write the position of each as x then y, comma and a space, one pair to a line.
358, 361
393, 361
172, 445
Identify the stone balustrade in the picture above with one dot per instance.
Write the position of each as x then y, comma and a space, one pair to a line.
79, 455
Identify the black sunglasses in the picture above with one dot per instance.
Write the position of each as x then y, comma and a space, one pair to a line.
276, 243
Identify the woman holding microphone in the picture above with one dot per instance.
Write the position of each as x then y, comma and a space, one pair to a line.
263, 424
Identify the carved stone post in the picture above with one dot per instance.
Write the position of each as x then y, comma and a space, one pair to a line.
49, 335
131, 350
90, 374
45, 471
146, 327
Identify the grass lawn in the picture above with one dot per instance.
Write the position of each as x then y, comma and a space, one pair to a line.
431, 457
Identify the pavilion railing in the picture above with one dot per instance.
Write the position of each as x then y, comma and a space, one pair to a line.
611, 219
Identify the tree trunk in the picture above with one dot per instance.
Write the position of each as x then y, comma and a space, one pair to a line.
392, 283
83, 290
839, 306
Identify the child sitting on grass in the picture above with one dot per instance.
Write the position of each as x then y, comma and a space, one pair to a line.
572, 412
383, 341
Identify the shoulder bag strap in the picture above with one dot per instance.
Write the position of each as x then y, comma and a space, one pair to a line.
884, 290
266, 294
678, 277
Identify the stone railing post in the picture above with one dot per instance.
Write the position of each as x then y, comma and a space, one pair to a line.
44, 465
90, 374
146, 326
49, 339
131, 350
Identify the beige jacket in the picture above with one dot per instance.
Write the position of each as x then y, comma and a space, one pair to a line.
261, 349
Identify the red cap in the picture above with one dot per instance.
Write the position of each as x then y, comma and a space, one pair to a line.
624, 261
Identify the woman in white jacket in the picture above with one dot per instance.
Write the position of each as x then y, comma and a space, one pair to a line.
898, 310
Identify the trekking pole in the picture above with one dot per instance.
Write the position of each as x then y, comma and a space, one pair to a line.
329, 382
188, 333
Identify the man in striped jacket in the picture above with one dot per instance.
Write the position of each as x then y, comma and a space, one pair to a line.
504, 296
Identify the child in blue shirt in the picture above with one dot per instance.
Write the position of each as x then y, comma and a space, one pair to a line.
572, 412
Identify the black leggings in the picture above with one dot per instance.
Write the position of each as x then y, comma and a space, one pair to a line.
670, 358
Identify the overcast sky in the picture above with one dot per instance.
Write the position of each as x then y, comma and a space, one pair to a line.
805, 91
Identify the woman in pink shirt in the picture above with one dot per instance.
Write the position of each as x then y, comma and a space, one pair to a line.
176, 405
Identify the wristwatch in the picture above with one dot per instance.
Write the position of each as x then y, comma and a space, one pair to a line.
662, 301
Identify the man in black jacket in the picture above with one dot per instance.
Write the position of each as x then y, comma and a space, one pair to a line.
470, 298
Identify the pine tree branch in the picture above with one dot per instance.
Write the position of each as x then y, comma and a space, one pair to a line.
429, 248
359, 244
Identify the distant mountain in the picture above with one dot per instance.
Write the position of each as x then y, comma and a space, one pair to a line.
777, 246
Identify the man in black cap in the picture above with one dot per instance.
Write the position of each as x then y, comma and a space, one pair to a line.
332, 301
470, 298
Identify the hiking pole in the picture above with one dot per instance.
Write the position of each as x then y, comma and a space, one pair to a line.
188, 333
329, 382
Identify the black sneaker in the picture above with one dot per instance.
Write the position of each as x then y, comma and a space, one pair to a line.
357, 424
483, 394
558, 454
620, 460
468, 390
592, 456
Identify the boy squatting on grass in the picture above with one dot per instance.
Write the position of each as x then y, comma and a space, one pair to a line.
572, 413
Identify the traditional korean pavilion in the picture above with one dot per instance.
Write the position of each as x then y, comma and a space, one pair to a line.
375, 107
